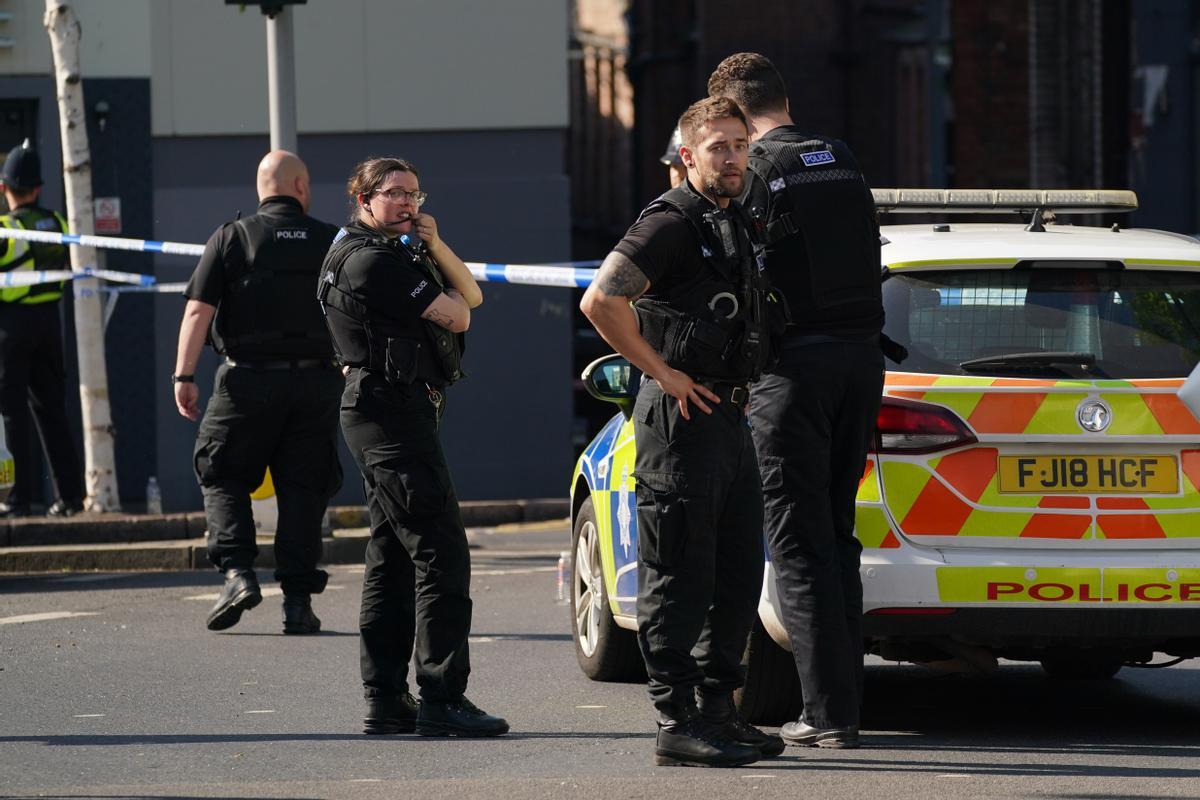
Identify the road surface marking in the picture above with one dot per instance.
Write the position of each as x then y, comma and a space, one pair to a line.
87, 716
261, 711
270, 591
46, 616
520, 571
591, 706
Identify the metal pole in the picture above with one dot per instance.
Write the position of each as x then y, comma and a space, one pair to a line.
281, 80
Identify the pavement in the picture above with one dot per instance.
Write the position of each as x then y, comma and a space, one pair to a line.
120, 542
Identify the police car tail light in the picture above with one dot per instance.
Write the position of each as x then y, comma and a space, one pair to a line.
908, 427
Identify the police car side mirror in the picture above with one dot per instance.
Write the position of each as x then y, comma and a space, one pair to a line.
613, 379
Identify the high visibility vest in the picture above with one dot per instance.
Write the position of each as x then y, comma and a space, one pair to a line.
19, 255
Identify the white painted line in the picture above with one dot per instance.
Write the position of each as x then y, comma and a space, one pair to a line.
591, 706
87, 716
480, 639
759, 776
46, 616
955, 776
261, 711
526, 571
270, 591
366, 780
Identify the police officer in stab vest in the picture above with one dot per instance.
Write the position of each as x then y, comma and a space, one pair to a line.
397, 299
32, 372
274, 403
699, 329
813, 417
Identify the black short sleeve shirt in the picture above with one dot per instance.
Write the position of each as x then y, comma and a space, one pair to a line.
665, 247
388, 283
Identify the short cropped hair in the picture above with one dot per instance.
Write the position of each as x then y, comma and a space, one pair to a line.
704, 111
751, 81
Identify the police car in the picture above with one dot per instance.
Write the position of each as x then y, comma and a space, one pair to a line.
1034, 489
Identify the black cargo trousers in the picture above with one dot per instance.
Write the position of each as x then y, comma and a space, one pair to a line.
33, 392
700, 548
418, 568
285, 419
813, 419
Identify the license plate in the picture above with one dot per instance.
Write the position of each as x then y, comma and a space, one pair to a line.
1090, 474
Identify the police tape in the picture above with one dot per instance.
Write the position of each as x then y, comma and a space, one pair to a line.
565, 274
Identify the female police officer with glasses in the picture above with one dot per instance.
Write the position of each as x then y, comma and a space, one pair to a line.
397, 299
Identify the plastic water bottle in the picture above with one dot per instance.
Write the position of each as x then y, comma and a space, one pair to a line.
563, 578
153, 496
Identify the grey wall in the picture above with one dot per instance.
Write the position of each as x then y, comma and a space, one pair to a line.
498, 197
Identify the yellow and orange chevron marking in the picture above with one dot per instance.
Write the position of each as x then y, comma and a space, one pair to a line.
1024, 406
958, 494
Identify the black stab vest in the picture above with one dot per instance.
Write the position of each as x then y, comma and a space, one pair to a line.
722, 324
832, 209
404, 351
268, 311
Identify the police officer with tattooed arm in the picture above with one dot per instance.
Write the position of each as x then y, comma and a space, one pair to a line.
813, 416
396, 300
700, 330
274, 402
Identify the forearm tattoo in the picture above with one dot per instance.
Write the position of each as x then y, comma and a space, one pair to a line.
438, 318
620, 277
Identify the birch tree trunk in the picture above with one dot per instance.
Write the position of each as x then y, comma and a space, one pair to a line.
99, 468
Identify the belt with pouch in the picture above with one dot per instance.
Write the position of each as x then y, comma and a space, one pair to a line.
295, 363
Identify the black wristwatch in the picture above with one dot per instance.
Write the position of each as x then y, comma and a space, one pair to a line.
182, 379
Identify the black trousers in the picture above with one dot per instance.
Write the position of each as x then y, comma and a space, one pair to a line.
33, 381
285, 419
418, 568
700, 550
813, 420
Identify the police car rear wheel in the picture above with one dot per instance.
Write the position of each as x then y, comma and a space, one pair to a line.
605, 651
771, 694
1083, 665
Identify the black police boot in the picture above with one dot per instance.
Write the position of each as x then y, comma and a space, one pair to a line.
10, 510
393, 714
694, 742
298, 616
721, 711
801, 734
240, 593
457, 718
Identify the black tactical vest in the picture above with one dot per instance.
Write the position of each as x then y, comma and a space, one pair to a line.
722, 324
267, 311
831, 209
404, 351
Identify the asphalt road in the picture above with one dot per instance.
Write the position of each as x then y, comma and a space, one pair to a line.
110, 687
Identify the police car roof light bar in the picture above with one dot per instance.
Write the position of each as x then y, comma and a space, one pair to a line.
999, 201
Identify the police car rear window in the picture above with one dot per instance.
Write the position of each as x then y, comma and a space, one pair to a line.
1136, 324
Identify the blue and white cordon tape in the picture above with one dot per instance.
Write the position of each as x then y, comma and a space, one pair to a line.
567, 274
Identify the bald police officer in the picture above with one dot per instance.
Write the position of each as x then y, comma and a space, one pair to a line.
275, 402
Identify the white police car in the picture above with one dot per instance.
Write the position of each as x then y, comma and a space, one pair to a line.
1034, 489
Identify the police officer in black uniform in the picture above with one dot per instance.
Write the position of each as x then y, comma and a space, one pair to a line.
813, 417
397, 299
32, 372
699, 331
276, 394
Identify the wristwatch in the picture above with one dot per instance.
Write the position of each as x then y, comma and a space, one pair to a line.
182, 379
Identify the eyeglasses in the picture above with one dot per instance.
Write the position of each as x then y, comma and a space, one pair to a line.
396, 195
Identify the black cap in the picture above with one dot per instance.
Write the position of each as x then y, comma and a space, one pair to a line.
23, 168
672, 155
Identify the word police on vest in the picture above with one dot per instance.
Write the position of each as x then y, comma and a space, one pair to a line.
291, 234
420, 286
